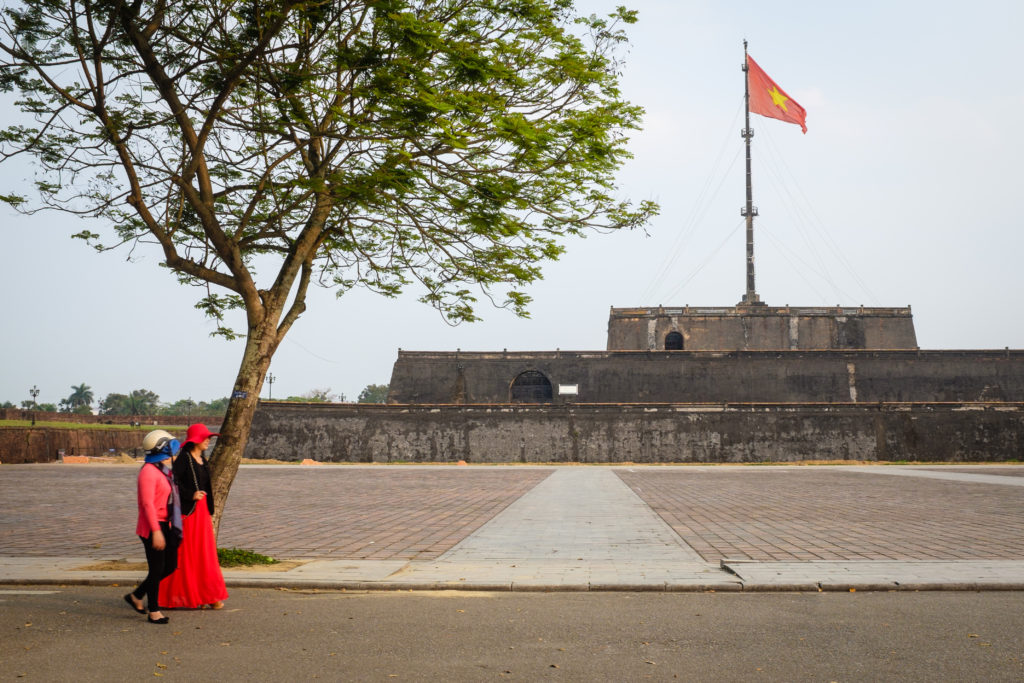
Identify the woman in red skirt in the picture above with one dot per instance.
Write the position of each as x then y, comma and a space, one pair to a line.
198, 581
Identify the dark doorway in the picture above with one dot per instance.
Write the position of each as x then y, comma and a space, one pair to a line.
531, 387
673, 341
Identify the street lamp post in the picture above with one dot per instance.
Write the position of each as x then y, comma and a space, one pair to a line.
34, 392
270, 386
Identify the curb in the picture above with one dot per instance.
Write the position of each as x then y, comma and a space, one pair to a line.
397, 586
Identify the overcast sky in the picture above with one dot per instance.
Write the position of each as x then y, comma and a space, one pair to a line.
906, 189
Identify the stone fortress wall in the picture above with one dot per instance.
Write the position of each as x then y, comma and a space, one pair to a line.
743, 384
41, 441
637, 433
713, 376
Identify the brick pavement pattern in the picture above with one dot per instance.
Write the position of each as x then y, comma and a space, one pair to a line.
788, 514
324, 512
368, 514
806, 514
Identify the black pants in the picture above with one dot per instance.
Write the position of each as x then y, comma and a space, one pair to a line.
162, 564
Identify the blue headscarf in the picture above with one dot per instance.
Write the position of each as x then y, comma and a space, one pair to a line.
166, 451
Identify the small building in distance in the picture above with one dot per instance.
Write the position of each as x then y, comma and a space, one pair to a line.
759, 328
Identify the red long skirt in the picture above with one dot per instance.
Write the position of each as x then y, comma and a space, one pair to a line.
198, 580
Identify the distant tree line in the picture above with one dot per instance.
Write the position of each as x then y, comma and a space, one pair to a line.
372, 393
145, 402
137, 402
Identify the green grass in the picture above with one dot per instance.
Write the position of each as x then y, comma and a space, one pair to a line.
236, 557
88, 425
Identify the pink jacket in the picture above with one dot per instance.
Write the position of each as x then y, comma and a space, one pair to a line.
153, 492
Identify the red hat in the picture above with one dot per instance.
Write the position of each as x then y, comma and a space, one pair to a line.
197, 433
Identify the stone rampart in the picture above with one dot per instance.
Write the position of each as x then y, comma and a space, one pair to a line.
856, 376
42, 444
649, 433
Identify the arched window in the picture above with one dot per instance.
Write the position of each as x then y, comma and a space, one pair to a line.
673, 341
531, 387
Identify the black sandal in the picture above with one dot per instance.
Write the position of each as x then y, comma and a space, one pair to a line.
131, 603
161, 620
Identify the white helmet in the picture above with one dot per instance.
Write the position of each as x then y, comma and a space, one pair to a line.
156, 440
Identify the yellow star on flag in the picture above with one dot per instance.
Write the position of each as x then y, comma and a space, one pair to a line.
778, 99
768, 99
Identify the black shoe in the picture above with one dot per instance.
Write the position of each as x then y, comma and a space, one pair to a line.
161, 620
131, 603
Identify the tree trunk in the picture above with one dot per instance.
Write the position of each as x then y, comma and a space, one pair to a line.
227, 454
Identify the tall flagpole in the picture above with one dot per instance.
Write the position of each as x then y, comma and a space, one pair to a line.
749, 211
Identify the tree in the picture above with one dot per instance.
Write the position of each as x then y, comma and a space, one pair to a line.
185, 406
138, 402
318, 396
374, 393
42, 407
115, 404
449, 145
66, 407
80, 400
217, 406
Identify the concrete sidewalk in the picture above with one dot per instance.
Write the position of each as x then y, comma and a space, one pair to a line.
579, 528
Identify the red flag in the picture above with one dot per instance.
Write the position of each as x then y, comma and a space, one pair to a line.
768, 99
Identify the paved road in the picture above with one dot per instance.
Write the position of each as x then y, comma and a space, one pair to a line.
85, 633
573, 527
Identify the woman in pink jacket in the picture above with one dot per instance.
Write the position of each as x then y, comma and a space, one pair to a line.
159, 523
